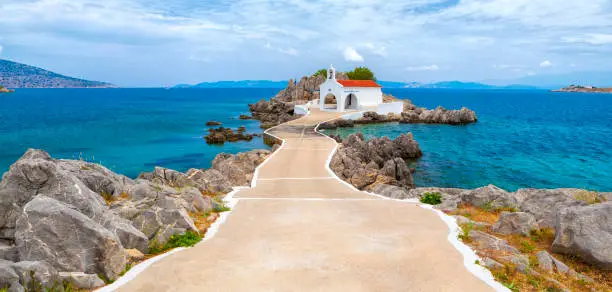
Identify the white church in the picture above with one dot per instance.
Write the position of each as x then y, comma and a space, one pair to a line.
348, 94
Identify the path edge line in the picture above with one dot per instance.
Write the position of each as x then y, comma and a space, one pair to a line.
469, 256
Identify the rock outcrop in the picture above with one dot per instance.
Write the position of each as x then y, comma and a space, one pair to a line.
515, 223
439, 115
273, 112
222, 135
366, 164
239, 168
51, 231
586, 231
79, 218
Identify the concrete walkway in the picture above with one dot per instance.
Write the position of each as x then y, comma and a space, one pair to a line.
301, 229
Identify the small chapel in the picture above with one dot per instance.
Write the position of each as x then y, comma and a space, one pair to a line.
348, 95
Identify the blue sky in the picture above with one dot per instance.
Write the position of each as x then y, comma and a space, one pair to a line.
155, 42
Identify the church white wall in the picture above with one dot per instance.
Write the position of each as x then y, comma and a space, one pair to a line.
390, 107
366, 96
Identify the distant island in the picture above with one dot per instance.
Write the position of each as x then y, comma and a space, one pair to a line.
5, 90
579, 88
17, 75
385, 84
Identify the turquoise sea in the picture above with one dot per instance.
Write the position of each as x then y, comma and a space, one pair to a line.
523, 138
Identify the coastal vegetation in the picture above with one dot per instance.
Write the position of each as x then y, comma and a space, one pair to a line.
361, 73
431, 199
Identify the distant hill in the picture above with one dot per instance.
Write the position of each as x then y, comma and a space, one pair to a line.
17, 75
237, 84
384, 84
453, 85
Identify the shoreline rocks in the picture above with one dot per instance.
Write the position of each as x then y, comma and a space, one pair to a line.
366, 164
222, 135
83, 220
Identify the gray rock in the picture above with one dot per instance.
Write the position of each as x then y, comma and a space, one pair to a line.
366, 164
210, 180
545, 261
520, 261
488, 242
51, 231
8, 252
491, 263
97, 177
489, 197
239, 168
393, 192
515, 223
168, 177
158, 224
586, 232
81, 280
36, 275
128, 235
37, 173
439, 115
8, 277
545, 204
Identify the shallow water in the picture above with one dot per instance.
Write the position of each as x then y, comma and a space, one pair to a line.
127, 130
522, 139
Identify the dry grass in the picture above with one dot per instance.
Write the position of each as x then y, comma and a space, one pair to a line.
589, 197
477, 214
537, 241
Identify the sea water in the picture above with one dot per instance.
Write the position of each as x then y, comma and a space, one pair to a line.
522, 139
127, 130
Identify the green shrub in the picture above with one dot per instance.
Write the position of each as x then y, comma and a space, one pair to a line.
465, 231
322, 72
188, 239
361, 73
431, 198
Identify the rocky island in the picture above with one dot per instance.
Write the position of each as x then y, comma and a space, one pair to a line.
580, 88
5, 90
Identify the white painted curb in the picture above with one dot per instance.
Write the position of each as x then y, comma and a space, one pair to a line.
469, 256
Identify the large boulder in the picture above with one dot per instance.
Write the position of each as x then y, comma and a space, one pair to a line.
51, 231
366, 164
239, 168
515, 223
210, 180
168, 177
273, 112
393, 192
489, 197
97, 177
37, 173
586, 232
545, 204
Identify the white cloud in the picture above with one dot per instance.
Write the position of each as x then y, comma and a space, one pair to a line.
424, 68
545, 64
531, 73
1, 48
591, 38
289, 51
377, 50
351, 55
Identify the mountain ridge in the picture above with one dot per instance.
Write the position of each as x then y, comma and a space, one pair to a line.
19, 75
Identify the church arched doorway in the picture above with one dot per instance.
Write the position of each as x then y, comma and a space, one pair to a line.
350, 102
330, 102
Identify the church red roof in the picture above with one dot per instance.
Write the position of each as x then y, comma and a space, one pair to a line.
358, 83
